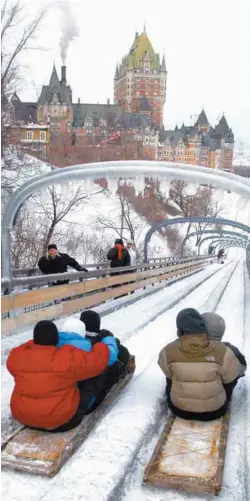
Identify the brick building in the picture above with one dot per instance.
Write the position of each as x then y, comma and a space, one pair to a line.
200, 144
135, 117
140, 81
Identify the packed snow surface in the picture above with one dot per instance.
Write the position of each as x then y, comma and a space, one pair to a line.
110, 463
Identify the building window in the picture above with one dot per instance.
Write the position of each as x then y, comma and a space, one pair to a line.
42, 136
30, 135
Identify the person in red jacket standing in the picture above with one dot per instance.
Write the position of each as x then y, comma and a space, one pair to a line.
46, 394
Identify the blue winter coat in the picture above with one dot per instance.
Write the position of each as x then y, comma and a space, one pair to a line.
84, 344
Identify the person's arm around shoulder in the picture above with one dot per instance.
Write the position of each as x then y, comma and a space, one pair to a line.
238, 355
163, 363
86, 365
109, 340
231, 367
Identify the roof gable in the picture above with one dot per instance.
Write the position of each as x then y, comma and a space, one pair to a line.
202, 119
222, 127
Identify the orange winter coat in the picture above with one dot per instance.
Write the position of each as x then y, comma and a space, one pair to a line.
45, 393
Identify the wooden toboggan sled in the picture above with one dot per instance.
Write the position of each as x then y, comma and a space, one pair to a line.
189, 456
44, 453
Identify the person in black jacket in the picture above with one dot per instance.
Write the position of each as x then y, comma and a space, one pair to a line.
95, 334
57, 262
118, 255
220, 256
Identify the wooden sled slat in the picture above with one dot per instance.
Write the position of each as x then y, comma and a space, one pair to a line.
9, 428
44, 453
189, 455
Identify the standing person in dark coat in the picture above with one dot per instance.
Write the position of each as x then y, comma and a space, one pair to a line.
57, 262
118, 255
95, 334
220, 255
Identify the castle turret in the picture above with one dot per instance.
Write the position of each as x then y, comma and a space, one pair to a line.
54, 103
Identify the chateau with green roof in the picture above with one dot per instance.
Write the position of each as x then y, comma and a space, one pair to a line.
140, 80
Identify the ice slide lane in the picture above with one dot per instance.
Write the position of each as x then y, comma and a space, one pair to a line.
123, 322
236, 471
118, 322
102, 462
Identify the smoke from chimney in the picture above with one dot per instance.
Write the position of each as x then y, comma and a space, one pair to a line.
69, 30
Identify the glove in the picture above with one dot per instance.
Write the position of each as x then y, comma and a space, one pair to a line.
113, 349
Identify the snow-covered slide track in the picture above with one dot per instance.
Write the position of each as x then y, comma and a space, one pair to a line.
125, 322
236, 472
98, 469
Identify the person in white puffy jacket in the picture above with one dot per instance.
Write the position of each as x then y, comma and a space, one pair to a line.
132, 253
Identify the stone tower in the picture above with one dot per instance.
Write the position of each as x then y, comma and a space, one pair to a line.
140, 81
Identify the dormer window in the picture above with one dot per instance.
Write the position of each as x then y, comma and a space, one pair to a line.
55, 99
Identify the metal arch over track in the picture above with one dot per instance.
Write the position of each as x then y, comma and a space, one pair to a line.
237, 237
116, 170
189, 219
221, 242
230, 243
201, 232
214, 237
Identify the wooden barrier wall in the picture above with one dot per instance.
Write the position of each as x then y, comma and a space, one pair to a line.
27, 308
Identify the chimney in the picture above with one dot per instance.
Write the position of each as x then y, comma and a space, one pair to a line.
78, 100
108, 102
63, 70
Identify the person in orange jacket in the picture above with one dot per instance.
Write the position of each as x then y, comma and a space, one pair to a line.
46, 393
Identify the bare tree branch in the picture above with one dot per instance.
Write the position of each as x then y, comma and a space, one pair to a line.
13, 47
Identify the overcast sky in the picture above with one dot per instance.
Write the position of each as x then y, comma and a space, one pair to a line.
206, 45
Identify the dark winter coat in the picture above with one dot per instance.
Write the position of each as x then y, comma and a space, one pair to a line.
113, 258
59, 264
220, 253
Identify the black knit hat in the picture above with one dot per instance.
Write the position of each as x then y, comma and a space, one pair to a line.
119, 241
189, 321
92, 320
52, 246
45, 333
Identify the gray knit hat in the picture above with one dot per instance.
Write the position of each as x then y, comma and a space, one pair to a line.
215, 325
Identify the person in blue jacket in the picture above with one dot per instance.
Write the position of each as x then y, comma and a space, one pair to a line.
73, 333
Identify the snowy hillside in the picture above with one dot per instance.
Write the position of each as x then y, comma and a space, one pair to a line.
97, 217
103, 209
92, 224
